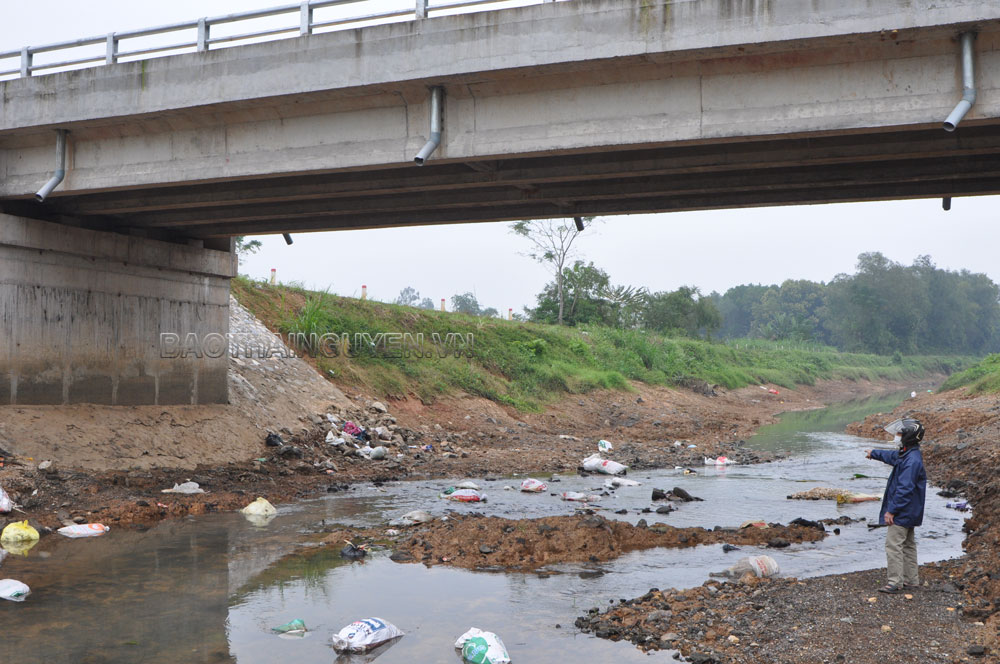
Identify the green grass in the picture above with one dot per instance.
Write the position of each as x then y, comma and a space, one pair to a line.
982, 377
527, 365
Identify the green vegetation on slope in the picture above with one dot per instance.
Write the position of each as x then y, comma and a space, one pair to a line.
527, 364
981, 377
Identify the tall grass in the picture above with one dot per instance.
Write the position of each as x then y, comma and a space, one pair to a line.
526, 365
982, 377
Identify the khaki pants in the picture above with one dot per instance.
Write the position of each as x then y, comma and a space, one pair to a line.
901, 556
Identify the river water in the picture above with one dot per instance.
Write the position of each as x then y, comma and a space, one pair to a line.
207, 589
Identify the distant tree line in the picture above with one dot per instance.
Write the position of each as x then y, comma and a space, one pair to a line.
885, 307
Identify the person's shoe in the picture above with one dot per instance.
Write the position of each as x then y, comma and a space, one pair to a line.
911, 586
890, 589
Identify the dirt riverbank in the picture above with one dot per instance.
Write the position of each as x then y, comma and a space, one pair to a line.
951, 617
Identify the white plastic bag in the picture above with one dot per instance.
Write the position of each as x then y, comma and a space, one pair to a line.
84, 530
615, 482
13, 590
259, 507
595, 464
479, 647
604, 446
531, 485
186, 488
761, 566
580, 497
467, 484
364, 635
464, 495
411, 518
6, 504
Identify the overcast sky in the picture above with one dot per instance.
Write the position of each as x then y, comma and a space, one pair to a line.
710, 250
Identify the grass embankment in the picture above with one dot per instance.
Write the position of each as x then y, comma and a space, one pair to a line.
981, 377
528, 364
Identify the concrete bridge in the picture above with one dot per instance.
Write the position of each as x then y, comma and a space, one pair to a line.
555, 110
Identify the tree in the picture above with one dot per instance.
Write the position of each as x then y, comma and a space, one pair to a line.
681, 311
409, 297
552, 242
246, 247
466, 303
627, 303
426, 303
582, 286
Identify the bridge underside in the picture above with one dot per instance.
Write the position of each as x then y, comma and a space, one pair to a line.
854, 167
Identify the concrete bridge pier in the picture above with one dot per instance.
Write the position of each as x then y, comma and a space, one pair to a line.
82, 314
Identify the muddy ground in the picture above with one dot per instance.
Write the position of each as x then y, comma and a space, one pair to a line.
479, 542
952, 617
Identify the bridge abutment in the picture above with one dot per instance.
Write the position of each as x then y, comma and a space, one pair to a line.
82, 314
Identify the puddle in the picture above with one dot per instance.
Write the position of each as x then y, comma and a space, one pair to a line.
208, 589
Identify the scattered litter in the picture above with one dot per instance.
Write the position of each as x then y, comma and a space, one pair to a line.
13, 590
595, 464
773, 391
678, 443
274, 440
507, 487
755, 523
18, 531
6, 503
479, 647
718, 461
331, 418
412, 518
913, 395
961, 506
259, 507
615, 482
580, 497
692, 446
532, 485
365, 634
467, 484
186, 488
463, 495
333, 439
604, 446
352, 429
392, 532
564, 436
84, 530
761, 566
373, 453
354, 552
688, 471
296, 626
427, 448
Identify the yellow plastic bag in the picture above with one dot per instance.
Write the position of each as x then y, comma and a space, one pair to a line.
18, 532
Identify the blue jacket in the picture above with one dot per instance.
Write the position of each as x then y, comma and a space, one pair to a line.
907, 487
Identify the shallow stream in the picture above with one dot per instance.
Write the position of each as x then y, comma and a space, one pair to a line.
208, 589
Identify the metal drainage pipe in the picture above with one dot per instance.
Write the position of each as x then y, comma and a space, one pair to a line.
968, 84
60, 173
431, 145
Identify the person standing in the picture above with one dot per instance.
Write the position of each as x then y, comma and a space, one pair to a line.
902, 507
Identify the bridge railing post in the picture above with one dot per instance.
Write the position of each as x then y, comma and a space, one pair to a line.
203, 29
111, 56
26, 57
421, 9
305, 18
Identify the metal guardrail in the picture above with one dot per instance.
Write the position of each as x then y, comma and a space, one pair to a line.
204, 41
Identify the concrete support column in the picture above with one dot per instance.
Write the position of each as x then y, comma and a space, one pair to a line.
82, 314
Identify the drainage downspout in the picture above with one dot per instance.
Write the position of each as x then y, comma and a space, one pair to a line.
435, 140
60, 173
968, 84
